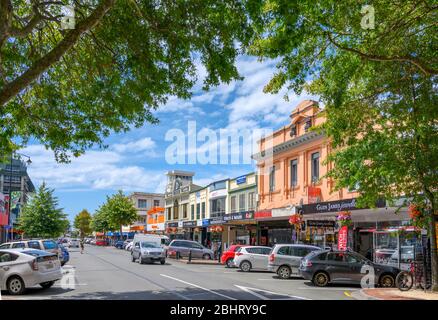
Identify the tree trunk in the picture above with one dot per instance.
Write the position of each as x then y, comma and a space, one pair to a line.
434, 253
121, 233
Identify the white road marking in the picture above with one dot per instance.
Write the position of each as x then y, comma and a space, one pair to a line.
196, 286
251, 291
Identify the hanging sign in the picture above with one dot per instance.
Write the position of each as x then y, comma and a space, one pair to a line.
343, 238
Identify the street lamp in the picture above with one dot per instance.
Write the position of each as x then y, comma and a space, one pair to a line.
29, 161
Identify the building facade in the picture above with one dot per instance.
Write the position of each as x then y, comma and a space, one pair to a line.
14, 181
144, 202
292, 180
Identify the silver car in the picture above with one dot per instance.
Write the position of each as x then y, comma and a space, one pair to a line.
252, 258
285, 259
185, 247
147, 251
24, 268
48, 245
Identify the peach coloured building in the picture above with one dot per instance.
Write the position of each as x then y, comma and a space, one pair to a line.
291, 168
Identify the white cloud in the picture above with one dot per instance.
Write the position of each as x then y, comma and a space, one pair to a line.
135, 146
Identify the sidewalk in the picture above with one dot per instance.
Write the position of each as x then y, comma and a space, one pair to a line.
200, 261
395, 294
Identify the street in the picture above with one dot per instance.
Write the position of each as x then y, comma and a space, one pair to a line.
108, 273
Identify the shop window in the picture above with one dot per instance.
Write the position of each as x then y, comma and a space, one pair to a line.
217, 207
315, 167
272, 179
156, 203
294, 173
233, 204
142, 203
251, 201
192, 212
242, 202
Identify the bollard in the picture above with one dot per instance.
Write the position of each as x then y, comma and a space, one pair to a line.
177, 255
190, 255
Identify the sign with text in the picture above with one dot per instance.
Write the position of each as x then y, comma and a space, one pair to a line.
314, 195
241, 179
343, 238
321, 223
335, 206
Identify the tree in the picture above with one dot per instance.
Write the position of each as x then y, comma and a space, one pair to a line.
120, 210
378, 85
71, 87
83, 223
100, 221
41, 216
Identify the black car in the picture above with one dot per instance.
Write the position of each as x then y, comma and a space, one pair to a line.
324, 267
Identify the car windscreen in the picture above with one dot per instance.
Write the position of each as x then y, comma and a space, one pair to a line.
49, 244
147, 244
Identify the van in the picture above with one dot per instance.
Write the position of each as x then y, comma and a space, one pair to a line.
162, 240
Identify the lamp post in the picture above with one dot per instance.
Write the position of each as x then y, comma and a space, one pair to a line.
10, 189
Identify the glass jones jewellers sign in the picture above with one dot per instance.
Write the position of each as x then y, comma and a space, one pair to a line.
331, 206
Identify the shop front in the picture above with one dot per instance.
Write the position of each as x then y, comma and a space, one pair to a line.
155, 221
240, 228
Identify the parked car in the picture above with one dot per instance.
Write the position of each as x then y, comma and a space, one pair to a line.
23, 268
100, 242
65, 255
228, 256
148, 251
48, 245
74, 243
126, 242
326, 267
93, 242
118, 244
252, 258
285, 259
185, 246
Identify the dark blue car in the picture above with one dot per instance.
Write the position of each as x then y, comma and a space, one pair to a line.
65, 254
118, 244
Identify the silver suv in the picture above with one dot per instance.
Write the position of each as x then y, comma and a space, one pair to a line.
147, 251
285, 259
185, 246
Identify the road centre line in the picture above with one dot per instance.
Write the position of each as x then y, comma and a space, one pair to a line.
199, 287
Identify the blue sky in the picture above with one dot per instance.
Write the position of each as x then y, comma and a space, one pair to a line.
135, 161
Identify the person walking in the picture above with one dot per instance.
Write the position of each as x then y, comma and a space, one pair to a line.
82, 246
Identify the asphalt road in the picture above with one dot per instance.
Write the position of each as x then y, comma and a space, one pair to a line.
108, 273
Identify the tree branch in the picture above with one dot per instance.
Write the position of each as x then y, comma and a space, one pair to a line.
13, 88
373, 57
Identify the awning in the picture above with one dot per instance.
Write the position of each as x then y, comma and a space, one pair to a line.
137, 228
155, 210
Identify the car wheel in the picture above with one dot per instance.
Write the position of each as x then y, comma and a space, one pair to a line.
132, 258
163, 261
206, 256
47, 285
284, 272
320, 279
387, 281
140, 260
245, 266
15, 286
229, 263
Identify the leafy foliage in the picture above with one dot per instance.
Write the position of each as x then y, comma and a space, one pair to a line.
71, 88
41, 216
82, 222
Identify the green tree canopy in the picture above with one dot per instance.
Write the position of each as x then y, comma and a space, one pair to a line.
71, 87
82, 223
41, 216
377, 83
120, 210
100, 221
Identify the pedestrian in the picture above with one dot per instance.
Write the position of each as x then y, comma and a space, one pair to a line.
82, 246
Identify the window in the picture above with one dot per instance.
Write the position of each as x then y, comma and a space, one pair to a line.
301, 252
251, 201
294, 173
272, 179
18, 245
7, 257
233, 204
198, 211
175, 210
34, 245
184, 210
284, 251
169, 213
266, 251
315, 167
203, 210
156, 203
142, 203
242, 202
192, 212
217, 207
218, 185
335, 257
307, 124
352, 259
48, 245
5, 246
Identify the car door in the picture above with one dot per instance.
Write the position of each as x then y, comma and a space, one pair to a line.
255, 257
196, 250
283, 255
337, 268
355, 264
136, 250
261, 257
6, 264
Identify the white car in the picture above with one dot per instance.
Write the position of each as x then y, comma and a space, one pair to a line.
24, 268
129, 246
73, 243
252, 258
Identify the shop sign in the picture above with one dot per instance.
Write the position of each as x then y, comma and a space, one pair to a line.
246, 215
218, 193
313, 195
189, 224
155, 227
335, 206
283, 212
343, 238
218, 220
172, 224
205, 222
199, 223
263, 214
241, 179
180, 224
321, 223
228, 217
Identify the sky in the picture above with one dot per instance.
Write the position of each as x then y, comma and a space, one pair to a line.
137, 161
